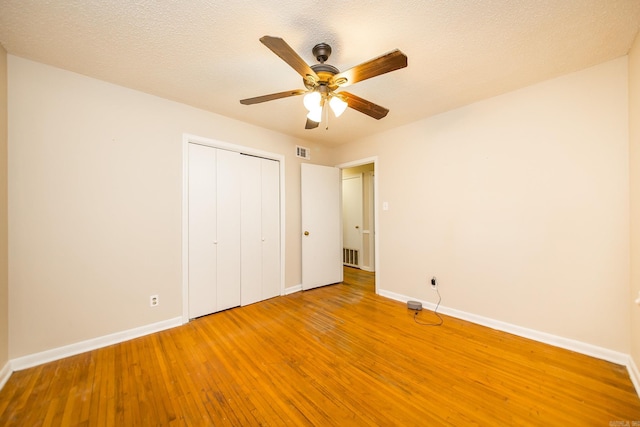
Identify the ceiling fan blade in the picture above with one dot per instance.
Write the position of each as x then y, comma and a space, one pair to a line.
364, 106
311, 124
271, 97
288, 55
390, 61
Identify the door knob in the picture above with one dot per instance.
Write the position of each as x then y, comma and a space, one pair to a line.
306, 233
357, 226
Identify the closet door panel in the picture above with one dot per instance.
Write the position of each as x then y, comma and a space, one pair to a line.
251, 241
270, 208
202, 230
228, 229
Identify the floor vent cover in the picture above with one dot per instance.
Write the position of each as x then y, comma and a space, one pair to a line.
350, 257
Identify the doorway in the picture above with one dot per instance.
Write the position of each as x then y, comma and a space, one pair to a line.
359, 216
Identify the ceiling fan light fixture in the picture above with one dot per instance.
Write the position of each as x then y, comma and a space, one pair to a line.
322, 79
315, 114
338, 105
312, 100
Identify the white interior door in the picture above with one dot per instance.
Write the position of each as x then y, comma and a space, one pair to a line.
214, 230
352, 219
251, 219
368, 235
260, 229
202, 230
228, 226
271, 277
321, 226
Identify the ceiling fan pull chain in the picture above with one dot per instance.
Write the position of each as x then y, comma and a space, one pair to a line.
326, 113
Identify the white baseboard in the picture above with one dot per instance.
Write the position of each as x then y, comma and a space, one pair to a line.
5, 373
292, 289
557, 341
31, 360
634, 373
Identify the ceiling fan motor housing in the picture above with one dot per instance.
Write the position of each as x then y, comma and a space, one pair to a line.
325, 72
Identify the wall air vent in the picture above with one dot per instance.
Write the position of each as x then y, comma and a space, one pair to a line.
303, 152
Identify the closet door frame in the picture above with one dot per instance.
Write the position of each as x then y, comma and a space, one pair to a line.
194, 139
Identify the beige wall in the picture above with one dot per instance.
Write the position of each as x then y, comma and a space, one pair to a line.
518, 204
4, 278
95, 204
634, 145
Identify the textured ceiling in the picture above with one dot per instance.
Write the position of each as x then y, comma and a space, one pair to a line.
207, 54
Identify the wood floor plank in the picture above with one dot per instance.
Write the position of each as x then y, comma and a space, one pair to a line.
336, 355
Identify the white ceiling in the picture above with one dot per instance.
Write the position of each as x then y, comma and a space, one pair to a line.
206, 53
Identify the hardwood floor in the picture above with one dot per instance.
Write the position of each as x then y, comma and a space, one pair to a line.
337, 355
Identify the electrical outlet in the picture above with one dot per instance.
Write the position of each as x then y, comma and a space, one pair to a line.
434, 283
154, 300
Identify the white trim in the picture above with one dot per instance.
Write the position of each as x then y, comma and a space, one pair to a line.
634, 373
292, 289
187, 138
185, 229
194, 139
543, 337
5, 374
282, 225
35, 359
359, 162
376, 213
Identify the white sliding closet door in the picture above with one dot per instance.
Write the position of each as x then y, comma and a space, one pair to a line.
250, 222
202, 230
228, 204
214, 230
270, 229
260, 225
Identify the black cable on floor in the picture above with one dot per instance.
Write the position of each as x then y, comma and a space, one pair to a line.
441, 321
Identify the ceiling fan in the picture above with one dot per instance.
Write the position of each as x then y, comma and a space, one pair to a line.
323, 80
